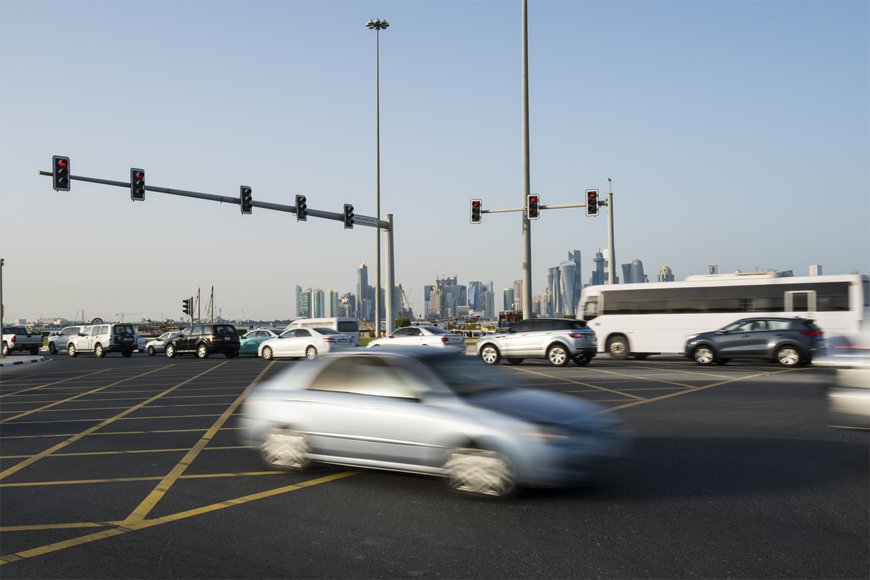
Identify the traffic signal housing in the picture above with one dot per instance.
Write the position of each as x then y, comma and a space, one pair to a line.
592, 202
60, 176
137, 184
476, 209
301, 208
533, 210
246, 200
348, 216
185, 304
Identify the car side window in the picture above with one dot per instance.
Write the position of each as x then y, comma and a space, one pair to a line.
403, 332
415, 332
778, 324
302, 332
520, 327
370, 376
196, 331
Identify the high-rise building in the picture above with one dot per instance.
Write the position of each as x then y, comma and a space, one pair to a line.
574, 256
666, 274
427, 295
608, 271
489, 305
303, 303
554, 283
363, 306
331, 303
567, 269
475, 290
712, 268
597, 276
816, 270
317, 305
508, 299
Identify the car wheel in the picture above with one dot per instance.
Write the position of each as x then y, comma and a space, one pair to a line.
202, 351
151, 351
98, 351
6, 350
267, 353
71, 350
515, 361
284, 448
51, 348
479, 472
231, 354
703, 355
490, 354
558, 355
617, 347
582, 360
311, 353
34, 351
788, 356
170, 351
127, 353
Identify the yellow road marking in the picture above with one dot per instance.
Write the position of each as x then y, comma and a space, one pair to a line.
30, 461
50, 384
131, 452
79, 409
113, 433
157, 494
531, 372
135, 479
124, 528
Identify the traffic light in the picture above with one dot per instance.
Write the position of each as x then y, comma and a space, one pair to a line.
137, 184
532, 209
592, 202
246, 200
186, 305
475, 211
301, 208
60, 167
348, 216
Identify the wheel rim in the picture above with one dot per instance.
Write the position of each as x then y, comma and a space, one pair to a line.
151, 351
52, 349
618, 348
98, 351
479, 472
788, 356
489, 355
71, 350
311, 353
267, 353
703, 355
170, 351
201, 352
558, 356
285, 449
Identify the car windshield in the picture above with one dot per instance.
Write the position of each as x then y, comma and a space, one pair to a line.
468, 378
223, 329
124, 330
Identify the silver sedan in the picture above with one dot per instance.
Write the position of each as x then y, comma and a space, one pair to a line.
424, 410
307, 342
422, 336
159, 343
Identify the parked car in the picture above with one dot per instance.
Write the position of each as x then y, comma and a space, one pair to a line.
250, 343
307, 342
159, 343
424, 410
205, 340
422, 336
102, 339
343, 325
59, 340
19, 338
559, 340
788, 341
849, 396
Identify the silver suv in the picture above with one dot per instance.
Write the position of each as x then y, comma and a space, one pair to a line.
559, 340
60, 340
104, 338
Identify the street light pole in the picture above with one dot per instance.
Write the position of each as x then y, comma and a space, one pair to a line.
377, 25
2, 262
527, 225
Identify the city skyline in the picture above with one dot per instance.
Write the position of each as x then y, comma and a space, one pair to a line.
721, 128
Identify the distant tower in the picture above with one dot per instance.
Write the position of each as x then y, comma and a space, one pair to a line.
637, 275
666, 274
816, 270
713, 269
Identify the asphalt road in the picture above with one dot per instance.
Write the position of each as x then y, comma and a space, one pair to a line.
130, 468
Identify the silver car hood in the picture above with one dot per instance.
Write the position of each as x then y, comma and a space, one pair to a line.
541, 407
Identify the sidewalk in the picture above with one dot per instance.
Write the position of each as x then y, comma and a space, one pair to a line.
16, 360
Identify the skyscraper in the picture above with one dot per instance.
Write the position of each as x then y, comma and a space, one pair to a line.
554, 281
598, 273
567, 270
508, 299
362, 285
666, 274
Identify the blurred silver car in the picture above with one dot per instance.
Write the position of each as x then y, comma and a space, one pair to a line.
849, 398
422, 336
428, 411
307, 342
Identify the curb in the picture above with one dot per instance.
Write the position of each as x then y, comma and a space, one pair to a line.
22, 362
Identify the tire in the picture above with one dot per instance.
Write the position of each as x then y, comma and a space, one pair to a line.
617, 347
127, 353
311, 353
51, 348
170, 351
788, 356
6, 350
71, 351
151, 351
285, 449
582, 360
267, 353
34, 351
479, 472
558, 355
515, 361
490, 355
202, 351
231, 354
703, 355
99, 352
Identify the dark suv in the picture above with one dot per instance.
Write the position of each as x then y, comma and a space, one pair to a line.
205, 339
788, 341
559, 340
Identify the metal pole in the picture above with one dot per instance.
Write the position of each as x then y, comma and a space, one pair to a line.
378, 189
2, 350
611, 252
527, 233
391, 279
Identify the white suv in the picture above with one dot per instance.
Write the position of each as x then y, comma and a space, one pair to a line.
104, 338
559, 340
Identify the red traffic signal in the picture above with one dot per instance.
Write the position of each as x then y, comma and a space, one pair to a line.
533, 210
592, 202
476, 209
60, 173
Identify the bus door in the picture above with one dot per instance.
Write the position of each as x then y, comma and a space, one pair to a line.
800, 301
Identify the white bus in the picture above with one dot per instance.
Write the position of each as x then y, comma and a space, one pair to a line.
644, 319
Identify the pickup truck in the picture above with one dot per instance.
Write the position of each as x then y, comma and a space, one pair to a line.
19, 338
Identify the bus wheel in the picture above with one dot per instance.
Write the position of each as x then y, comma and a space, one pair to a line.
617, 347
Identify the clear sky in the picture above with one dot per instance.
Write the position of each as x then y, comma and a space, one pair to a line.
733, 132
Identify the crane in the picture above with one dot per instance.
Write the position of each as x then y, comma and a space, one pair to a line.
404, 300
123, 314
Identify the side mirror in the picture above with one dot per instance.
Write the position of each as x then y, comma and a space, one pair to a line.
723, 331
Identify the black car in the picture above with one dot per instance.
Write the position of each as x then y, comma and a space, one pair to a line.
204, 340
788, 341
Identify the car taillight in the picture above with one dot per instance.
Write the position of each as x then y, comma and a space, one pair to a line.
445, 339
12, 339
212, 338
575, 335
810, 333
326, 339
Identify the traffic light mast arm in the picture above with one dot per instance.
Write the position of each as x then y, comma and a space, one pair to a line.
548, 206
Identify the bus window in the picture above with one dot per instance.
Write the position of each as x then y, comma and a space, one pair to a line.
590, 309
